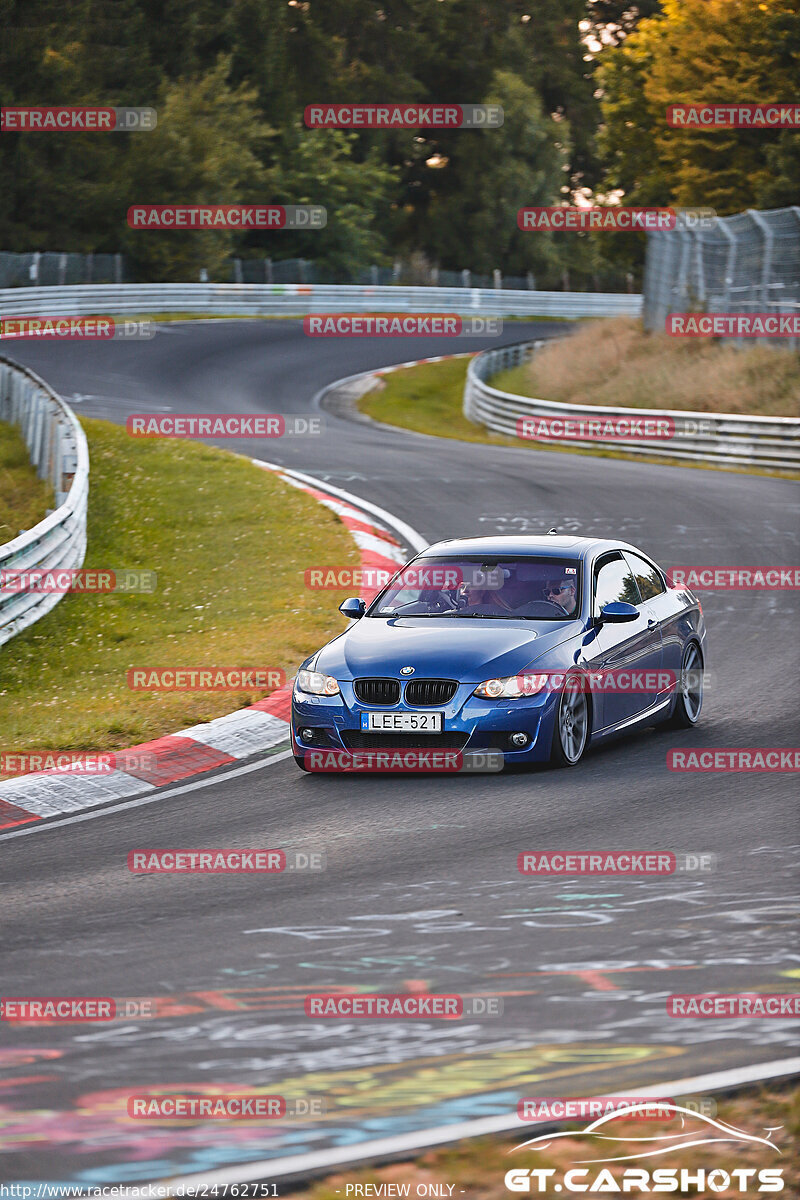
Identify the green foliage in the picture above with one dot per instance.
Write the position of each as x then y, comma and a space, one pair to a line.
701, 51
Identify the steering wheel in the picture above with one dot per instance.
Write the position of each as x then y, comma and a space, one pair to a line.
547, 605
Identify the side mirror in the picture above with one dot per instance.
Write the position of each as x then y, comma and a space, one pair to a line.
617, 613
353, 608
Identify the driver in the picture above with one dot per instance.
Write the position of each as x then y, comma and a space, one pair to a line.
562, 591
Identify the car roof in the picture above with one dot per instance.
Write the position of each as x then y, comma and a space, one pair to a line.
541, 545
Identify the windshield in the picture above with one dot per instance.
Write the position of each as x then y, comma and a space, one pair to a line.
536, 589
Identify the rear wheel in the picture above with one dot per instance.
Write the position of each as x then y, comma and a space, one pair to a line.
689, 700
571, 728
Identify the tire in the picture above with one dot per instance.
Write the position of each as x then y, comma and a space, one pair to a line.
689, 700
571, 728
299, 760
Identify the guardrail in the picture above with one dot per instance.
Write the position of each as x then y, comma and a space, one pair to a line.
59, 452
296, 299
708, 437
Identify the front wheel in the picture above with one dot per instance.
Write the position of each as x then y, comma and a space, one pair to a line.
689, 700
571, 728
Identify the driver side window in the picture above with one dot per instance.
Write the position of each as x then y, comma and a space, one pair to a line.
613, 580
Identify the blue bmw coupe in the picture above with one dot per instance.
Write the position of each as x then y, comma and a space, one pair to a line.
534, 646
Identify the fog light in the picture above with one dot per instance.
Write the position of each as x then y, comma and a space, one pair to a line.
519, 739
307, 735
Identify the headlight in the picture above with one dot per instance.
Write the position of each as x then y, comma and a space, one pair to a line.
316, 683
513, 687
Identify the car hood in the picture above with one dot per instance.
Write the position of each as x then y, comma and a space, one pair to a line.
450, 647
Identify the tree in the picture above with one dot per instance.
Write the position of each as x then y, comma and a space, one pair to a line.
470, 213
697, 51
206, 149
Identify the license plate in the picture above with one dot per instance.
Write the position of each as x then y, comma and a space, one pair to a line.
402, 722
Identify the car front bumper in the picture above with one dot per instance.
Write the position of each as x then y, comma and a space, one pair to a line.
470, 724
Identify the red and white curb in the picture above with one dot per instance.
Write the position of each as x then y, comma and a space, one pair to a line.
225, 740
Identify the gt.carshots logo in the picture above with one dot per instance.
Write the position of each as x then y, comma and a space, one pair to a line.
401, 325
403, 116
698, 1128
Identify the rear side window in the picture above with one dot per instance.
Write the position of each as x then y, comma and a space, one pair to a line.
614, 581
648, 578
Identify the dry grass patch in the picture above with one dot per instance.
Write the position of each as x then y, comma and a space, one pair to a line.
615, 363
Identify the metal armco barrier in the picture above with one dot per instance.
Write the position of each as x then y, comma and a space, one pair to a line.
709, 437
297, 299
59, 452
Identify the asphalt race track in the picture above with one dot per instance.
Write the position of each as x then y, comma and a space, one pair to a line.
421, 888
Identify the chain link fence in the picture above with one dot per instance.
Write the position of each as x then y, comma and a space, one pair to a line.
746, 263
59, 270
48, 269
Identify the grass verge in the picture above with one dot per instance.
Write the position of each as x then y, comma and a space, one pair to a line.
429, 399
24, 497
477, 1168
614, 362
229, 543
